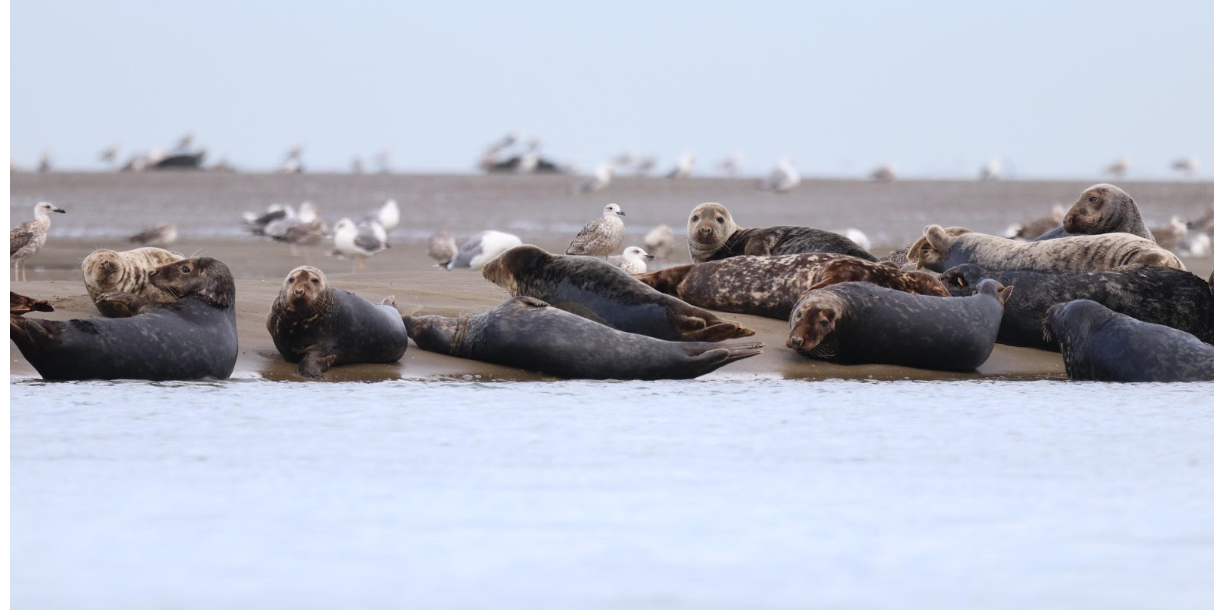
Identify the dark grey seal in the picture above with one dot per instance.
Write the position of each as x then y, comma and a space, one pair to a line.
1103, 208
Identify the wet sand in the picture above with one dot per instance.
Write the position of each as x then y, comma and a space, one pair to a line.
104, 207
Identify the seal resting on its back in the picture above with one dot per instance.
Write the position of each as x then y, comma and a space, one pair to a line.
318, 326
860, 323
191, 338
1159, 295
713, 235
1098, 344
599, 291
110, 271
939, 250
524, 332
1103, 208
771, 285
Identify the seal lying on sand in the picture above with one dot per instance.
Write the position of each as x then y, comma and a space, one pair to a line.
1159, 295
940, 250
192, 338
318, 326
20, 304
713, 235
1103, 208
771, 285
597, 290
524, 332
1102, 345
110, 271
860, 323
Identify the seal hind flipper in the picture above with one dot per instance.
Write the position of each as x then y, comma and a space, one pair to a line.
714, 333
20, 304
314, 364
27, 333
707, 360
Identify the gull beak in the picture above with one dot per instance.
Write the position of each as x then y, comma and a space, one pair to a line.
621, 213
59, 210
650, 256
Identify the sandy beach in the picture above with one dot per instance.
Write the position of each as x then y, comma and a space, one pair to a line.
207, 207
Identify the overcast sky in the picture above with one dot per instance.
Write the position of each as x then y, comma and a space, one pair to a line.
1054, 89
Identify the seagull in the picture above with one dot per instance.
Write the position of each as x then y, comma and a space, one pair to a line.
359, 242
660, 241
109, 155
388, 216
783, 178
646, 165
159, 236
530, 159
27, 238
600, 237
599, 180
883, 173
632, 260
307, 213
293, 161
1171, 236
1187, 166
684, 167
258, 222
442, 247
731, 165
992, 170
492, 155
1118, 168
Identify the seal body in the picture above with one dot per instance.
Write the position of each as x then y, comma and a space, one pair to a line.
1159, 295
318, 327
1102, 345
860, 323
939, 250
1102, 208
111, 271
597, 290
527, 333
771, 285
192, 338
713, 235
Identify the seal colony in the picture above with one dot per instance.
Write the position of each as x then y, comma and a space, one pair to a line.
1110, 299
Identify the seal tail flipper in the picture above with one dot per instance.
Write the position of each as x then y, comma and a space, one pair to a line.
20, 304
389, 301
27, 333
719, 331
709, 360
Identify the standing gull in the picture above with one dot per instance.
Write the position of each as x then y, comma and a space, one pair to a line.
361, 242
633, 260
158, 237
600, 237
684, 167
482, 248
388, 215
442, 247
782, 179
28, 237
599, 180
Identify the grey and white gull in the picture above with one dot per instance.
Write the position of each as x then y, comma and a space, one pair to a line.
28, 237
600, 237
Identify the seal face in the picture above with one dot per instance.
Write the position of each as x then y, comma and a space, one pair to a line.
940, 249
597, 290
1102, 345
771, 285
1160, 295
192, 338
1102, 208
860, 323
525, 332
713, 235
111, 271
318, 327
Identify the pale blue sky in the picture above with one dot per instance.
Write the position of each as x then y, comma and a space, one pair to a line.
1056, 89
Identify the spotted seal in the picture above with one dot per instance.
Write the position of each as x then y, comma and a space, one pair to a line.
713, 235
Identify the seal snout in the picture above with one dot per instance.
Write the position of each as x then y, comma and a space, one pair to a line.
794, 342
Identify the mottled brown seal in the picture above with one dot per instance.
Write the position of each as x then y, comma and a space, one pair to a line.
713, 235
1102, 208
527, 333
860, 323
111, 271
771, 285
192, 338
318, 326
939, 250
597, 290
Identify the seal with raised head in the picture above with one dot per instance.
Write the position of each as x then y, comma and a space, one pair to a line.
771, 285
1099, 344
860, 323
111, 271
713, 235
527, 333
192, 338
1102, 208
1159, 295
939, 250
599, 291
317, 326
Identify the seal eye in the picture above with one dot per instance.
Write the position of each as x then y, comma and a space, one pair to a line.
314, 280
693, 219
185, 269
1092, 199
720, 221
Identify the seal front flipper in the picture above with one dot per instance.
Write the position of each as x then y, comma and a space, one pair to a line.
20, 304
27, 333
314, 364
123, 304
706, 360
714, 332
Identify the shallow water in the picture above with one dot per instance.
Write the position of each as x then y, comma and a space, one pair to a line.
727, 494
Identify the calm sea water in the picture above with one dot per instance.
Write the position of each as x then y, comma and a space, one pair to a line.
729, 494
